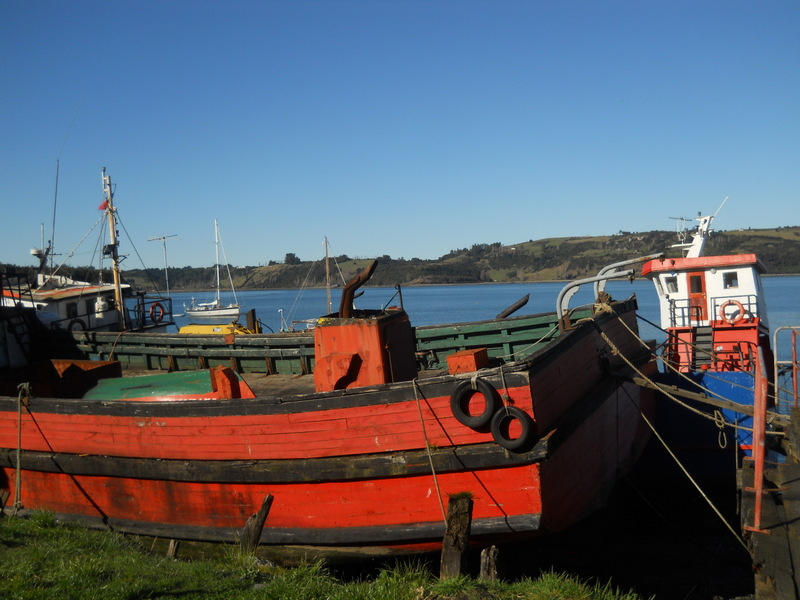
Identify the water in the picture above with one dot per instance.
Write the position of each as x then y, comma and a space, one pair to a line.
436, 304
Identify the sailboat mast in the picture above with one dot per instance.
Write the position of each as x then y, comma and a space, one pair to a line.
113, 247
327, 276
216, 244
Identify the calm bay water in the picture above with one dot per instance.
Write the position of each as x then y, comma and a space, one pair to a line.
435, 304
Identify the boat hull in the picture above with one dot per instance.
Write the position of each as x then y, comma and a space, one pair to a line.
214, 313
360, 467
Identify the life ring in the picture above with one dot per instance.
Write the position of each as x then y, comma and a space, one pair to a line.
76, 325
740, 314
461, 395
500, 427
156, 312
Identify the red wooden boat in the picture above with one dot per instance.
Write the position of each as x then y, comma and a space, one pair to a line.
363, 452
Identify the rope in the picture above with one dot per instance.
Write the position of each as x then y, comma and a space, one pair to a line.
691, 409
24, 390
719, 421
694, 483
696, 411
711, 355
504, 397
522, 351
114, 345
428, 449
617, 352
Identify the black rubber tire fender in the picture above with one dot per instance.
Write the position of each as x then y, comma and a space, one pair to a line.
500, 428
76, 325
461, 395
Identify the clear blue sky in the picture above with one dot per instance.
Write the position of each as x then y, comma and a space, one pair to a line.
408, 128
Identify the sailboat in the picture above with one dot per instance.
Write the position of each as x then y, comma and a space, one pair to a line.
215, 309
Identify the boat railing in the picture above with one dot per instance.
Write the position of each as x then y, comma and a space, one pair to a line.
786, 346
685, 312
86, 321
723, 355
149, 312
17, 288
569, 290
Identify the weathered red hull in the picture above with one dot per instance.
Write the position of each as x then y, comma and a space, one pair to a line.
358, 467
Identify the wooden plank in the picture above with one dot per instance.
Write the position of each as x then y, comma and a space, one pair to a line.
790, 498
456, 536
251, 534
489, 558
771, 550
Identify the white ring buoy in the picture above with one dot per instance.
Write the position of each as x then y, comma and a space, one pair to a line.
737, 317
157, 312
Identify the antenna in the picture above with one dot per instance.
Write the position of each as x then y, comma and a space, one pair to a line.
720, 206
681, 227
164, 238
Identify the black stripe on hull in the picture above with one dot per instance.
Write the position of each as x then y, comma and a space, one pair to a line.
514, 377
314, 470
379, 535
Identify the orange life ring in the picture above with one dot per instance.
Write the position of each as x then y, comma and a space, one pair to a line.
156, 312
739, 315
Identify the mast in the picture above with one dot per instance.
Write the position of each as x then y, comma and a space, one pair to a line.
216, 245
327, 275
112, 249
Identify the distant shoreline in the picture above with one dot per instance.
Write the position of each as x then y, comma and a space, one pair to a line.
407, 285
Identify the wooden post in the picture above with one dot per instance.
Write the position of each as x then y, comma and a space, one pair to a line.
251, 534
172, 551
489, 563
456, 536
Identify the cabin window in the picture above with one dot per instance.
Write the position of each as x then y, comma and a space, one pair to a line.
89, 306
72, 310
672, 284
730, 280
696, 284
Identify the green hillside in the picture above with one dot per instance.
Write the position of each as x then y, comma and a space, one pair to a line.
534, 260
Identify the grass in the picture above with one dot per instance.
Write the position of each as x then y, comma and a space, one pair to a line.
43, 558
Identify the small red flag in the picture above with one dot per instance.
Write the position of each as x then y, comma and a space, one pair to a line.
103, 206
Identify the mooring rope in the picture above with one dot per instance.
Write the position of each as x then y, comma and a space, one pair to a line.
114, 345
616, 351
529, 347
692, 480
24, 390
711, 355
417, 392
720, 422
696, 411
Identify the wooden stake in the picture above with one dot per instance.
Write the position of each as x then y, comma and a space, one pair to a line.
489, 563
456, 536
251, 534
172, 551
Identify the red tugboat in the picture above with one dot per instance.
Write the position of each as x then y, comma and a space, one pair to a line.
364, 452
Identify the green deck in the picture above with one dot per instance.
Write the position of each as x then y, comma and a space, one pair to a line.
188, 383
293, 353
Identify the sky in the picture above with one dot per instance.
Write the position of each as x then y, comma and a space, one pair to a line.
406, 128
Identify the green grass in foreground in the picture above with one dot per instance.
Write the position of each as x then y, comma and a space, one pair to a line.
43, 558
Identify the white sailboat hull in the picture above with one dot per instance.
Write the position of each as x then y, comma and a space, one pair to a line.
214, 313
